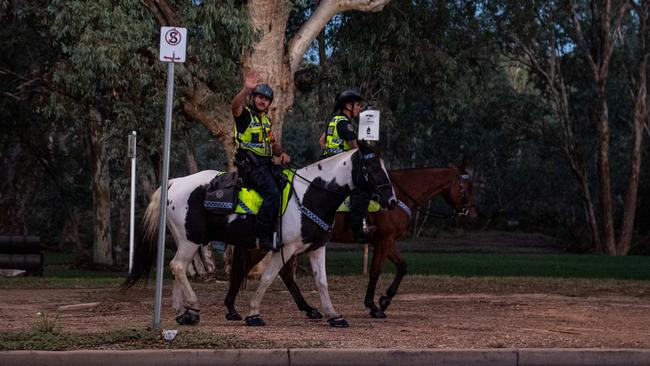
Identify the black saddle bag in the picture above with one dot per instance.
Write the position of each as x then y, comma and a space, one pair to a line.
222, 194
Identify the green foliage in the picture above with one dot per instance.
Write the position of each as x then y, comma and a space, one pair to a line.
103, 56
46, 323
218, 32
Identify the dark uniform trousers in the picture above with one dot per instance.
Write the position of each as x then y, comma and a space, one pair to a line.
359, 200
256, 172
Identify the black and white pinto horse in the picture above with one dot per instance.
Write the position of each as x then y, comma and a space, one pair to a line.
318, 190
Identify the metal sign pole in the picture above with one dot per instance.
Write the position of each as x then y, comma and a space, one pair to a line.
163, 194
132, 154
172, 49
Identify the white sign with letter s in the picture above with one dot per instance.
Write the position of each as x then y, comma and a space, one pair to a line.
173, 41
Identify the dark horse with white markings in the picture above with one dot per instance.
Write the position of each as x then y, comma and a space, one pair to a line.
317, 191
414, 187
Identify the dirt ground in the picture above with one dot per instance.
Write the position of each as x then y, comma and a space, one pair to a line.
429, 312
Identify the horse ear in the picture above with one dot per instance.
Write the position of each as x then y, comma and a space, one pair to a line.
366, 146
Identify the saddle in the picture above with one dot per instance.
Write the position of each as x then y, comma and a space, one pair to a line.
373, 206
222, 194
226, 195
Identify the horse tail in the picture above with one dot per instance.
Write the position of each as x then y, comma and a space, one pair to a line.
145, 253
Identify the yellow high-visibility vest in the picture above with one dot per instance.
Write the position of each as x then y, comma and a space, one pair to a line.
257, 136
333, 143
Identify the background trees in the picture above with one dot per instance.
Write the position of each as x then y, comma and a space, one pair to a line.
546, 98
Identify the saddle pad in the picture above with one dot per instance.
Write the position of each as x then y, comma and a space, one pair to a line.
373, 206
250, 201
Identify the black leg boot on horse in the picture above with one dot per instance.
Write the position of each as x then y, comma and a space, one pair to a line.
359, 201
189, 317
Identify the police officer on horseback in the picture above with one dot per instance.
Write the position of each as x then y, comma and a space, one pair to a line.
256, 146
340, 136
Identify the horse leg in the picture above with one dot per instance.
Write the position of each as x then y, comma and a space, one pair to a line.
241, 264
400, 265
378, 257
294, 290
177, 296
271, 271
184, 254
317, 261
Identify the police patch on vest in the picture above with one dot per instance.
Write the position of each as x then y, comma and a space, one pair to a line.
350, 127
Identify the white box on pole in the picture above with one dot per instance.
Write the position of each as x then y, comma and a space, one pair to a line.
369, 125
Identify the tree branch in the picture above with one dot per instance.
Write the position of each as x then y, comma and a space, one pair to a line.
580, 39
325, 11
164, 14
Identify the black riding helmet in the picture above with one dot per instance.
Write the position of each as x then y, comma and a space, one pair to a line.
263, 89
347, 96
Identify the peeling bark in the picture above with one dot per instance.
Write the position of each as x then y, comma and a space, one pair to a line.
102, 248
599, 59
640, 117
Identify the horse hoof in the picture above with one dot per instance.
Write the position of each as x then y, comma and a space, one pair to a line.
338, 322
188, 318
254, 321
377, 314
314, 314
233, 315
384, 301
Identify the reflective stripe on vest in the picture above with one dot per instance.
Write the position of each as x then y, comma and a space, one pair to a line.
333, 143
260, 129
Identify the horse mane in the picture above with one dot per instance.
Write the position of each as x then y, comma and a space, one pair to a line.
460, 165
365, 145
418, 168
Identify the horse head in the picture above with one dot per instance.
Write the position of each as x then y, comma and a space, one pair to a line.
462, 195
370, 173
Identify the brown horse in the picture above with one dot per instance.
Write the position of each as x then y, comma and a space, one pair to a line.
413, 188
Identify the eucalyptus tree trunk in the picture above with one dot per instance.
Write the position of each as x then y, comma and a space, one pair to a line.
598, 58
639, 121
102, 248
640, 116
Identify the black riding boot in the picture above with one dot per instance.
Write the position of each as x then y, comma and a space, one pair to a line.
359, 201
266, 216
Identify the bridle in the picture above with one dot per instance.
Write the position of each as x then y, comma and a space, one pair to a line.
461, 212
370, 177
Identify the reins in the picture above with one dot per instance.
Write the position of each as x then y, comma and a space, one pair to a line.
420, 208
425, 210
295, 172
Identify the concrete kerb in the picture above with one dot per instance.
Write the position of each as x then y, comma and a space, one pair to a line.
326, 356
243, 357
587, 356
389, 357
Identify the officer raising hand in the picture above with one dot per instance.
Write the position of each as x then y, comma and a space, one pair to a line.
255, 146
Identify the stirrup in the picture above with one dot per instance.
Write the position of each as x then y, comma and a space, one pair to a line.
367, 229
266, 245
